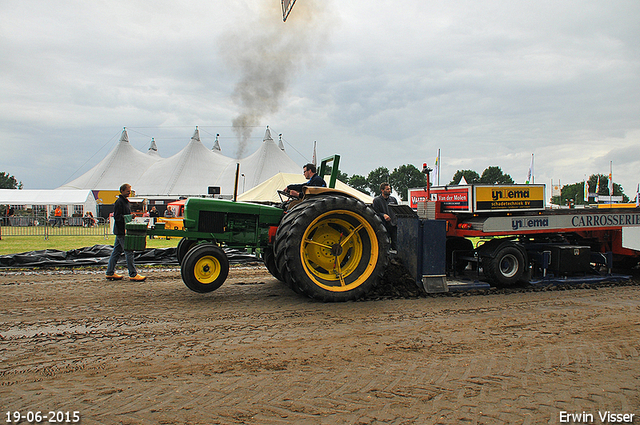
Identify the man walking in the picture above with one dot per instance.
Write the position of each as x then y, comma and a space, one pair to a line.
387, 215
121, 208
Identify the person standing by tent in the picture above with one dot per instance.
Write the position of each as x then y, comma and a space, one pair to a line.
385, 212
57, 213
121, 208
89, 220
309, 171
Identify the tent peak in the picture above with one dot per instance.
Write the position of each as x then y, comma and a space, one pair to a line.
267, 135
124, 137
196, 135
153, 147
216, 144
280, 144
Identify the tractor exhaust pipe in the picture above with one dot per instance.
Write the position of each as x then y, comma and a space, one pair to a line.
235, 186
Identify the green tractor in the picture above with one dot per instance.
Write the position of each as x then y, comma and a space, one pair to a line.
328, 245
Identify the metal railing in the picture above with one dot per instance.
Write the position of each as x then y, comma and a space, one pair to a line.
61, 226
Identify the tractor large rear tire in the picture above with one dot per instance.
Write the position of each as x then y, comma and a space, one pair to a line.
269, 259
332, 248
204, 268
279, 251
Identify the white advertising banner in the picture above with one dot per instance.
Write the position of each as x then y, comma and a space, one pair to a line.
561, 221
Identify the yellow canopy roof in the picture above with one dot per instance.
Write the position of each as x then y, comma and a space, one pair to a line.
267, 191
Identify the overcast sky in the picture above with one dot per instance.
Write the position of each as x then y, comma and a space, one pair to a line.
383, 83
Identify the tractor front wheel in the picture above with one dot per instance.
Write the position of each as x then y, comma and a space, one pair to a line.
204, 268
183, 247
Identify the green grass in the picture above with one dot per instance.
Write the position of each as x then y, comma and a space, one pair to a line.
19, 244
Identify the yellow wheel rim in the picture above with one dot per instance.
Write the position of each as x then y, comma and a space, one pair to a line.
207, 269
339, 250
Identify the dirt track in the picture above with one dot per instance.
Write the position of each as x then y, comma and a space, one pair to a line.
254, 352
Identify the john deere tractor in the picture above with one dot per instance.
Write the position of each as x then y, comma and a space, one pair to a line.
328, 245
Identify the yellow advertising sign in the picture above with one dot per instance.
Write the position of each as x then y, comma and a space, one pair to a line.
106, 197
511, 197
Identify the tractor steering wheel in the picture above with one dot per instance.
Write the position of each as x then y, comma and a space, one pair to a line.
288, 195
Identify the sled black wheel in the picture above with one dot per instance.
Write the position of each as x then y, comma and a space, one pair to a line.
205, 268
506, 267
335, 248
183, 247
269, 259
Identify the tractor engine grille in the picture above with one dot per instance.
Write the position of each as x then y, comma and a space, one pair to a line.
211, 222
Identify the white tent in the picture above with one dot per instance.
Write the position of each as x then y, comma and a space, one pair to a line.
124, 164
266, 162
189, 172
268, 190
50, 198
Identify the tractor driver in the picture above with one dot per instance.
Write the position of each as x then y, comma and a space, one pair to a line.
309, 171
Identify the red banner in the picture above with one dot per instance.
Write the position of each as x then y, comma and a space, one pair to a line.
452, 198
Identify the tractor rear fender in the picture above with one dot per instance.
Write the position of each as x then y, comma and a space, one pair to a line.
316, 190
311, 191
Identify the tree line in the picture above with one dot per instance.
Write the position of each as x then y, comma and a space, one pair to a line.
408, 176
9, 182
574, 193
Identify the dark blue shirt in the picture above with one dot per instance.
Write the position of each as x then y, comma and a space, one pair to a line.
315, 180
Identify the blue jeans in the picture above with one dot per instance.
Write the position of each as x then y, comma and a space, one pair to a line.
118, 249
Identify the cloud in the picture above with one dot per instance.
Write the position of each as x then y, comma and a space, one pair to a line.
267, 56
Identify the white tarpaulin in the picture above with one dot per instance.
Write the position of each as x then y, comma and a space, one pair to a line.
45, 197
631, 238
49, 197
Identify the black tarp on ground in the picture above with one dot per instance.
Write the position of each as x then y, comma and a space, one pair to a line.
98, 255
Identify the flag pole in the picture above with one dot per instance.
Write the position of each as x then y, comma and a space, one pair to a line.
610, 183
530, 176
438, 167
315, 160
585, 190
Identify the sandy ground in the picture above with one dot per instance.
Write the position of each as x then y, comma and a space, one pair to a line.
254, 352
